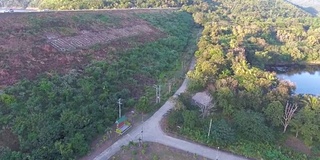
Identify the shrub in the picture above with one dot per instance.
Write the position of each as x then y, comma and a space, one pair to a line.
155, 157
143, 151
222, 133
134, 152
175, 119
251, 125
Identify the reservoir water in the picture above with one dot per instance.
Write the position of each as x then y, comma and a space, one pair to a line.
307, 82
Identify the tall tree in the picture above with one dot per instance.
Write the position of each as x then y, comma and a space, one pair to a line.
312, 102
274, 113
289, 111
251, 125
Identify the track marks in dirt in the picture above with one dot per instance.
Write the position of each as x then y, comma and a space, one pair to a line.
91, 38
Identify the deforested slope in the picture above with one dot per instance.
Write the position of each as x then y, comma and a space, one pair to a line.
57, 42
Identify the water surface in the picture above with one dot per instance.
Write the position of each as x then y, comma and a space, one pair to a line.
306, 82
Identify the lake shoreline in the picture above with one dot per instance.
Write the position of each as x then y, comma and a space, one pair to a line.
293, 63
289, 67
305, 75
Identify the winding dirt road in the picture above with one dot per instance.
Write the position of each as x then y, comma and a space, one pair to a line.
151, 131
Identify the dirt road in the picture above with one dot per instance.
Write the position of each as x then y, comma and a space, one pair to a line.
151, 131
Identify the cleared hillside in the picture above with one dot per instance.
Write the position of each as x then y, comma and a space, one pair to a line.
59, 41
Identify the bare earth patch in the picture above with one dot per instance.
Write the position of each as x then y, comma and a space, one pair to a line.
297, 144
149, 151
88, 39
54, 42
8, 139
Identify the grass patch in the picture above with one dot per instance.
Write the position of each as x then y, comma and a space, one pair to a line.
155, 151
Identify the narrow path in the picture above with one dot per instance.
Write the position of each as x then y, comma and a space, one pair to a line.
151, 131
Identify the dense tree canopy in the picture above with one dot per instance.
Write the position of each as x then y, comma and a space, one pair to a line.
240, 38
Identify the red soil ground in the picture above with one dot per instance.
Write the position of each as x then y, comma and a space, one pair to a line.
26, 49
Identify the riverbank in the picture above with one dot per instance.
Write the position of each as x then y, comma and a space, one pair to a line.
292, 67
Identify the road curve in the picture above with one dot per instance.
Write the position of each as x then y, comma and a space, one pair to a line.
151, 131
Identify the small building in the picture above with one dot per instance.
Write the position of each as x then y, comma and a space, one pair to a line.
204, 101
122, 125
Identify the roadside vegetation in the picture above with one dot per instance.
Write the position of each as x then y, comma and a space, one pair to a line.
57, 116
254, 114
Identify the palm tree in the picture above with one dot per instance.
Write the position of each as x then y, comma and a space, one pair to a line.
311, 102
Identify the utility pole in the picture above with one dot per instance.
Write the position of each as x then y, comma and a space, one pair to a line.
182, 65
158, 93
210, 128
119, 102
169, 87
217, 155
141, 138
142, 130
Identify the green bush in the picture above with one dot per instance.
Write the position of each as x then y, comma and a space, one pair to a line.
190, 119
251, 125
134, 152
262, 150
222, 133
155, 157
175, 119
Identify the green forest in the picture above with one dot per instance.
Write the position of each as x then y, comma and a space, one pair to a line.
57, 116
253, 112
